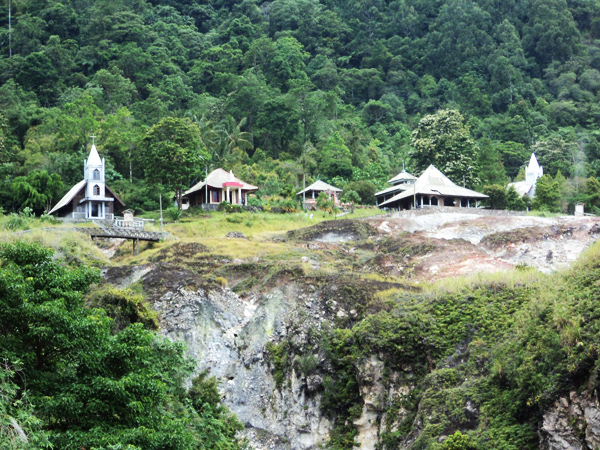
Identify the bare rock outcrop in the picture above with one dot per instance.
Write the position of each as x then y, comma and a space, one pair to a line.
572, 423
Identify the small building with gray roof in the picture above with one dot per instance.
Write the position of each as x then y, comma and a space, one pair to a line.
311, 193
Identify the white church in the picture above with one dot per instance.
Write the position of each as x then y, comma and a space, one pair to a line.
532, 173
91, 198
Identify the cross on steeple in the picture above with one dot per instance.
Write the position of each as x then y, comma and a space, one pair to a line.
93, 138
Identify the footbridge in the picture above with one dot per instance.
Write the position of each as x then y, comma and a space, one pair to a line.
121, 233
134, 233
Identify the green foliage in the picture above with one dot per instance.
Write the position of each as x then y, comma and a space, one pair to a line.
229, 208
513, 201
328, 89
174, 213
16, 222
547, 194
19, 428
325, 203
592, 190
491, 169
37, 190
444, 140
336, 158
124, 308
172, 154
365, 190
497, 196
458, 441
351, 197
216, 427
280, 360
94, 383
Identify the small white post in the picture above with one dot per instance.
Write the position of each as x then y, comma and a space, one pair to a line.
161, 217
303, 189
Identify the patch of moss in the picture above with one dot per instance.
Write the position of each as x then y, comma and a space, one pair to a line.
124, 307
353, 229
280, 360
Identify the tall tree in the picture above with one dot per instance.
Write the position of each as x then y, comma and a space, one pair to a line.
37, 190
491, 169
336, 160
444, 140
551, 33
172, 151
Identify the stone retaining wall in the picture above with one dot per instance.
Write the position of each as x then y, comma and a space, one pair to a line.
452, 209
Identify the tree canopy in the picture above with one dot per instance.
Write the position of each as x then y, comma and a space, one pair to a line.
76, 381
264, 80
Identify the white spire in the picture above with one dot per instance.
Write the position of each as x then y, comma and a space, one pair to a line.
94, 158
533, 163
533, 171
231, 177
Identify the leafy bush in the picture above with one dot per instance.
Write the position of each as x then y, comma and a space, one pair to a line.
235, 218
27, 212
174, 213
229, 208
254, 201
124, 307
458, 441
15, 222
47, 218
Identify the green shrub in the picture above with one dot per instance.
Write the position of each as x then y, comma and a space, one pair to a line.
174, 213
279, 359
27, 212
229, 208
458, 441
16, 222
124, 307
47, 218
235, 218
254, 201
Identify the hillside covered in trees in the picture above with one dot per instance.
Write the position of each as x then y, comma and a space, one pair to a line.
274, 90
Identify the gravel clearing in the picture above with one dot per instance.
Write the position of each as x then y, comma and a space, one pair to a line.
547, 243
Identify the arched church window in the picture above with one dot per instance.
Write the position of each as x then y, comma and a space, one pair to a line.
96, 190
96, 174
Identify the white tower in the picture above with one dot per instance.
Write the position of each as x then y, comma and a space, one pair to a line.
95, 191
532, 173
93, 173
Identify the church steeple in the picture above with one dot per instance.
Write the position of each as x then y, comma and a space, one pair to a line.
533, 170
94, 158
94, 174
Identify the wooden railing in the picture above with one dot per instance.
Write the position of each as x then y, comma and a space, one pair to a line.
129, 224
122, 233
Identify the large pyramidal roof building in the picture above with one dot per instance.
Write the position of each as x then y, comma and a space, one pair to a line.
91, 198
433, 188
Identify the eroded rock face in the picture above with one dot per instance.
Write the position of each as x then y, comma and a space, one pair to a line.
373, 393
227, 335
572, 423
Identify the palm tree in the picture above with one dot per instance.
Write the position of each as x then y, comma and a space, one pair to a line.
233, 141
209, 134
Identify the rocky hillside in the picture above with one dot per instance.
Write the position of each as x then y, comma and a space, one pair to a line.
362, 333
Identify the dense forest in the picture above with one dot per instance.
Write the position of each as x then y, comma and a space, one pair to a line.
95, 375
345, 91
